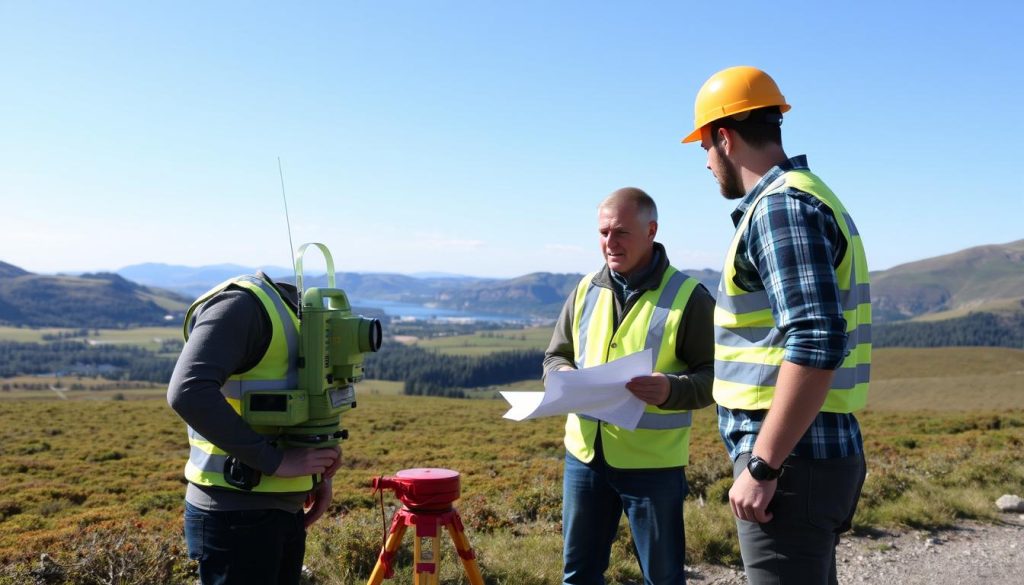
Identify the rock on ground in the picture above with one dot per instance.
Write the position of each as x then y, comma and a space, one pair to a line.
1010, 503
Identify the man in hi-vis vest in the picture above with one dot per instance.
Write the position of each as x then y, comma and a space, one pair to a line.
792, 337
636, 301
244, 506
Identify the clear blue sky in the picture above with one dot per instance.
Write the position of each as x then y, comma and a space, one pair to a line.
478, 137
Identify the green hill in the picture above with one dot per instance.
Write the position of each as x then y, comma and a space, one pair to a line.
974, 297
980, 279
101, 300
536, 294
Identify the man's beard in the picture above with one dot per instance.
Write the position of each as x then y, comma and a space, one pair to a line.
728, 177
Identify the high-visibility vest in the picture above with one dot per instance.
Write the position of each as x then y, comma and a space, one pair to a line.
749, 347
276, 370
662, 439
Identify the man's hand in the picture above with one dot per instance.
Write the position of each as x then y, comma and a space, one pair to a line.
330, 471
799, 393
304, 461
749, 498
317, 502
653, 389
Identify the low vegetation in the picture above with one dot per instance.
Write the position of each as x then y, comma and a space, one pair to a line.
92, 489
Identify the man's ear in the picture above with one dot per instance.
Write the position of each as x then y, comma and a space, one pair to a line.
726, 139
652, 229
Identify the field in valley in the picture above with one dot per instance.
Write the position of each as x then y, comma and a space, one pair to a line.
93, 481
484, 342
147, 337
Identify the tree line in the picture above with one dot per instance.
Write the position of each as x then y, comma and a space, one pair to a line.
115, 362
975, 329
424, 373
429, 373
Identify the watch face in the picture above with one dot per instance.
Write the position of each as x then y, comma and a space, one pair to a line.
760, 470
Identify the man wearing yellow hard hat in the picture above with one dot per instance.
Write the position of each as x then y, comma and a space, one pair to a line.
792, 337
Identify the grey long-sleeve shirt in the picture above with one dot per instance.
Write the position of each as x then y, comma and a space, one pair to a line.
231, 334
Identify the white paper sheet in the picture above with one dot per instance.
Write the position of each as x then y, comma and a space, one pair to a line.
599, 392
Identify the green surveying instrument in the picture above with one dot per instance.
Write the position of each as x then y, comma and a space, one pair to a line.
332, 342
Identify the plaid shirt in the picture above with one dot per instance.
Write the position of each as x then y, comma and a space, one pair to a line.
790, 250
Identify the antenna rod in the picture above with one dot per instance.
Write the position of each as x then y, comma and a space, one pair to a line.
291, 246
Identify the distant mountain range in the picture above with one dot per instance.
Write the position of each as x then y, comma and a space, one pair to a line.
988, 279
190, 281
535, 295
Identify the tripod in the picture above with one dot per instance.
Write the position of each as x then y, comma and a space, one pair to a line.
427, 496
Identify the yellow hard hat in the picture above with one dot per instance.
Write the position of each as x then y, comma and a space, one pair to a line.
732, 91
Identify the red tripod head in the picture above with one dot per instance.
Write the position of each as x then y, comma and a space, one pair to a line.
422, 489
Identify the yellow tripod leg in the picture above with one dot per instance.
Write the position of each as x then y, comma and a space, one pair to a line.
427, 563
465, 551
390, 546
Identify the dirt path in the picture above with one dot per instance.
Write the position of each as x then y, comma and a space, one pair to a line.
971, 554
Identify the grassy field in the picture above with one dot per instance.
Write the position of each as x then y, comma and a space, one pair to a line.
947, 379
95, 482
147, 337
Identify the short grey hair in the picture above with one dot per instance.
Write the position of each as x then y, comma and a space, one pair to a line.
638, 197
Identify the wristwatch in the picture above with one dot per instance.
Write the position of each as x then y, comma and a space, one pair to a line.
761, 471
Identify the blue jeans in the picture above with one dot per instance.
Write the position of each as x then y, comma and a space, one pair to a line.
594, 496
251, 547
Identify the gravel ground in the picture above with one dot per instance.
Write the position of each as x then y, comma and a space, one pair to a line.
971, 554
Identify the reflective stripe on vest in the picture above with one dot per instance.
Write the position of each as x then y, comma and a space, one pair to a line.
276, 370
658, 420
749, 348
662, 436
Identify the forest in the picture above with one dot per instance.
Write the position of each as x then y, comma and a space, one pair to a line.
428, 373
975, 329
424, 372
115, 362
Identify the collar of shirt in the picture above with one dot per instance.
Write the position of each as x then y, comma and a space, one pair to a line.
624, 287
798, 162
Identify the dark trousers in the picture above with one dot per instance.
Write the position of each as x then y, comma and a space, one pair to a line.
247, 547
814, 504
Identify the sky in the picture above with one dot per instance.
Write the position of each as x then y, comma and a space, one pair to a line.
476, 137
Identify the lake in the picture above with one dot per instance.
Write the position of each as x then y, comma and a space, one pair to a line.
422, 312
